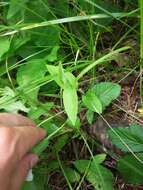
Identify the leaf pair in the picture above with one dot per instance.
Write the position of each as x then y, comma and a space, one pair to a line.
68, 84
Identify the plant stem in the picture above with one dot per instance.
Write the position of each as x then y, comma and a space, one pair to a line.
18, 28
101, 60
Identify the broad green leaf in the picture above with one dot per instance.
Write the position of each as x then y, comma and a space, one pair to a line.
17, 42
48, 37
106, 92
4, 45
70, 101
63, 79
92, 7
77, 124
82, 165
99, 158
52, 166
131, 169
90, 116
39, 148
54, 72
50, 127
132, 136
61, 8
92, 102
95, 180
53, 54
72, 175
61, 74
69, 81
10, 103
29, 186
45, 41
36, 112
30, 73
60, 143
16, 106
15, 7
40, 11
100, 177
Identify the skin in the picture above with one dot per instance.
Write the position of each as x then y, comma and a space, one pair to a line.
18, 135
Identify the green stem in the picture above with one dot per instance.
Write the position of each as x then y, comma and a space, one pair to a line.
101, 60
62, 169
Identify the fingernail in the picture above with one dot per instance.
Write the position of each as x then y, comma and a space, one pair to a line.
34, 160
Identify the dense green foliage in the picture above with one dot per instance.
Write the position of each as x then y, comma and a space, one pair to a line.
57, 59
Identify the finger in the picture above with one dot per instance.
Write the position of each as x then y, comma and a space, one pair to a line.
28, 137
22, 170
11, 119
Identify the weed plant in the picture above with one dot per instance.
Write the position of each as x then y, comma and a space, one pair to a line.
65, 65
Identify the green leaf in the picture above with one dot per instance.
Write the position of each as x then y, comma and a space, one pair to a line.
92, 7
52, 166
50, 127
99, 158
95, 180
106, 92
54, 72
4, 45
61, 8
30, 73
77, 124
10, 103
100, 177
70, 101
63, 79
69, 80
53, 54
92, 102
48, 37
82, 165
29, 186
131, 169
39, 148
68, 83
60, 143
90, 116
36, 112
132, 136
17, 42
16, 106
72, 175
15, 7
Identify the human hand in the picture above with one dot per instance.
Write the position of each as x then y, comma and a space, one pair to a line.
17, 137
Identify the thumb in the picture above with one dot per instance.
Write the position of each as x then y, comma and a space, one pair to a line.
22, 170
